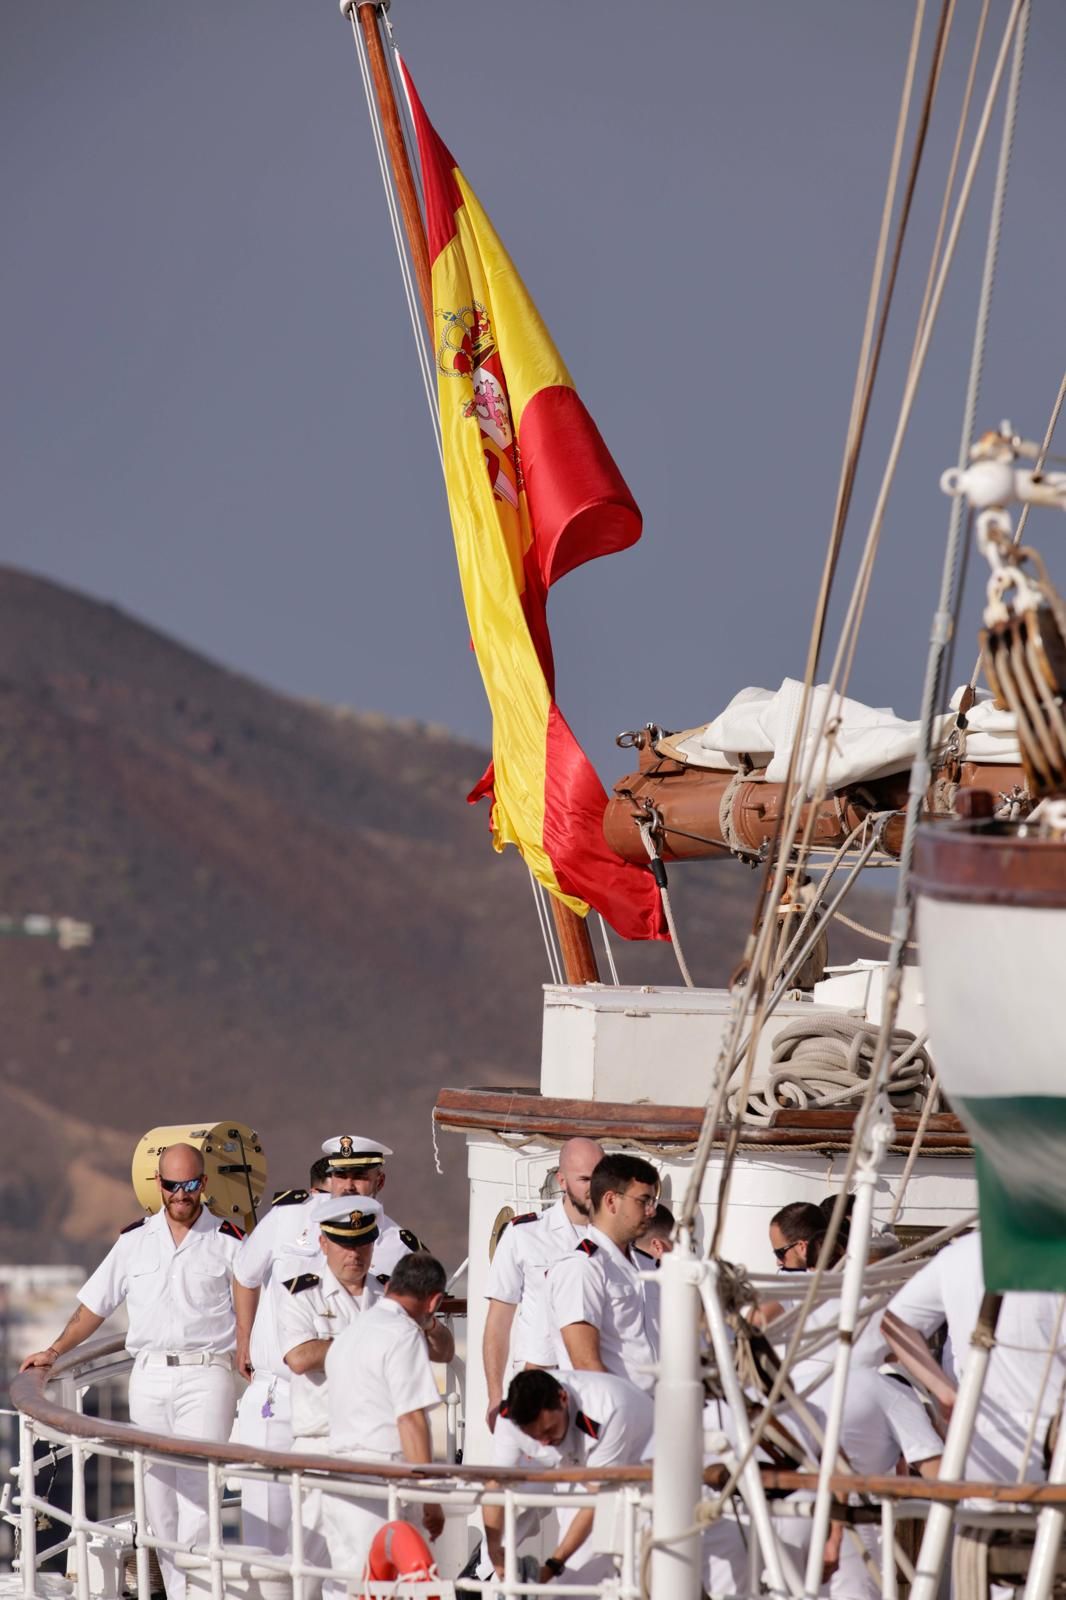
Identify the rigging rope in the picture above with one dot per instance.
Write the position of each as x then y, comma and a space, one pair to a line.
418, 327
546, 931
856, 607
658, 872
610, 952
758, 944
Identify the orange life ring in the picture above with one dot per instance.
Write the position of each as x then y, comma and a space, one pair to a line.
399, 1551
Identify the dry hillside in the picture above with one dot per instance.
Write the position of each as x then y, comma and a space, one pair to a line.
299, 923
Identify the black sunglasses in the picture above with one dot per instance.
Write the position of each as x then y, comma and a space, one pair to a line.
781, 1250
186, 1185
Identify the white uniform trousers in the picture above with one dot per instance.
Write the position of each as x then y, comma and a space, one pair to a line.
350, 1526
266, 1509
186, 1403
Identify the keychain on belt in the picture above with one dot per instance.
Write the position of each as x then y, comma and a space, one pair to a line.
267, 1409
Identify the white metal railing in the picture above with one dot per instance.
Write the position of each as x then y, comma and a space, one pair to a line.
53, 1413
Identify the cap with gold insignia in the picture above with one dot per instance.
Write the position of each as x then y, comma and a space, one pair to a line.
353, 1228
350, 1152
321, 1207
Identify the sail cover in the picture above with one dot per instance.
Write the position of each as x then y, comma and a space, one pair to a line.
533, 493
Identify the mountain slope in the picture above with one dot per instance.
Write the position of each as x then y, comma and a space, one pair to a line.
299, 923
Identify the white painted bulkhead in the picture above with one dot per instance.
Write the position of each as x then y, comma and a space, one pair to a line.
660, 1047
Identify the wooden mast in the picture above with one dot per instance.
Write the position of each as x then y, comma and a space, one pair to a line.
575, 942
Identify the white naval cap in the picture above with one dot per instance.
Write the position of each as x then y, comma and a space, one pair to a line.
350, 1151
358, 1224
322, 1207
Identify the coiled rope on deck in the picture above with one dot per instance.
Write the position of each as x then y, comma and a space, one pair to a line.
826, 1061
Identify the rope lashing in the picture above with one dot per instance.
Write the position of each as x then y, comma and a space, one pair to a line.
649, 826
826, 1061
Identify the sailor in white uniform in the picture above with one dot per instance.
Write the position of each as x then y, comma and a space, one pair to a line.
517, 1330
316, 1299
290, 1227
381, 1391
174, 1270
360, 1162
1026, 1370
883, 1421
589, 1419
597, 1300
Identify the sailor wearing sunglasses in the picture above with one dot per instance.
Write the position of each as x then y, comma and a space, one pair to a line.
174, 1271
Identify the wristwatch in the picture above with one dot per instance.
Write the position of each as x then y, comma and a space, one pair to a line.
554, 1565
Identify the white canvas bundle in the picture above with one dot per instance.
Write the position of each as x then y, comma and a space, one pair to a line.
869, 742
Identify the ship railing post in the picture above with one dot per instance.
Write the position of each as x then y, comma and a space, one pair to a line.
140, 1528
956, 1448
877, 1141
889, 1578
296, 1514
78, 1520
27, 1510
782, 1577
677, 1472
1049, 1528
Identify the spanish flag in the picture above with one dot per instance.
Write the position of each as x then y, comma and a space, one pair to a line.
533, 493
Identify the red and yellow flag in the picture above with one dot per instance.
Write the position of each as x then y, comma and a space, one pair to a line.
533, 493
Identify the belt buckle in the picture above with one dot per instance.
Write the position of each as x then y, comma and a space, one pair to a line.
173, 1361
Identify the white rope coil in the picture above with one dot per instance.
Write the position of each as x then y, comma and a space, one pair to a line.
826, 1061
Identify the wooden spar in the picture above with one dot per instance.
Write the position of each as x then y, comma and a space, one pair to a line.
400, 161
575, 941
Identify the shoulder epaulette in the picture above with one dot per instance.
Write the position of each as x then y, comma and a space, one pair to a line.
587, 1425
306, 1280
138, 1224
528, 1216
230, 1229
291, 1197
382, 1277
588, 1247
411, 1240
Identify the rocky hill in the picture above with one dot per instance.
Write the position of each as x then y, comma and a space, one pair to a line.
299, 924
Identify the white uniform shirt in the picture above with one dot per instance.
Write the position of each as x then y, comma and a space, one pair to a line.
610, 1421
949, 1288
518, 1273
178, 1297
288, 1227
322, 1310
596, 1283
610, 1426
392, 1243
377, 1370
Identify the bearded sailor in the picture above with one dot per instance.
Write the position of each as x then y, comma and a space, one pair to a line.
359, 1163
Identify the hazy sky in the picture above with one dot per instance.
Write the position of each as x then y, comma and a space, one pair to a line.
211, 409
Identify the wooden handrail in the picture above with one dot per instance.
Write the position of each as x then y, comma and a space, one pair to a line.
28, 1396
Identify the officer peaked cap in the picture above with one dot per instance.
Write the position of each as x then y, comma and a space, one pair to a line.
352, 1228
348, 1150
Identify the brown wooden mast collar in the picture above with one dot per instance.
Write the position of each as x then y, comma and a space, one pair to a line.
575, 941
